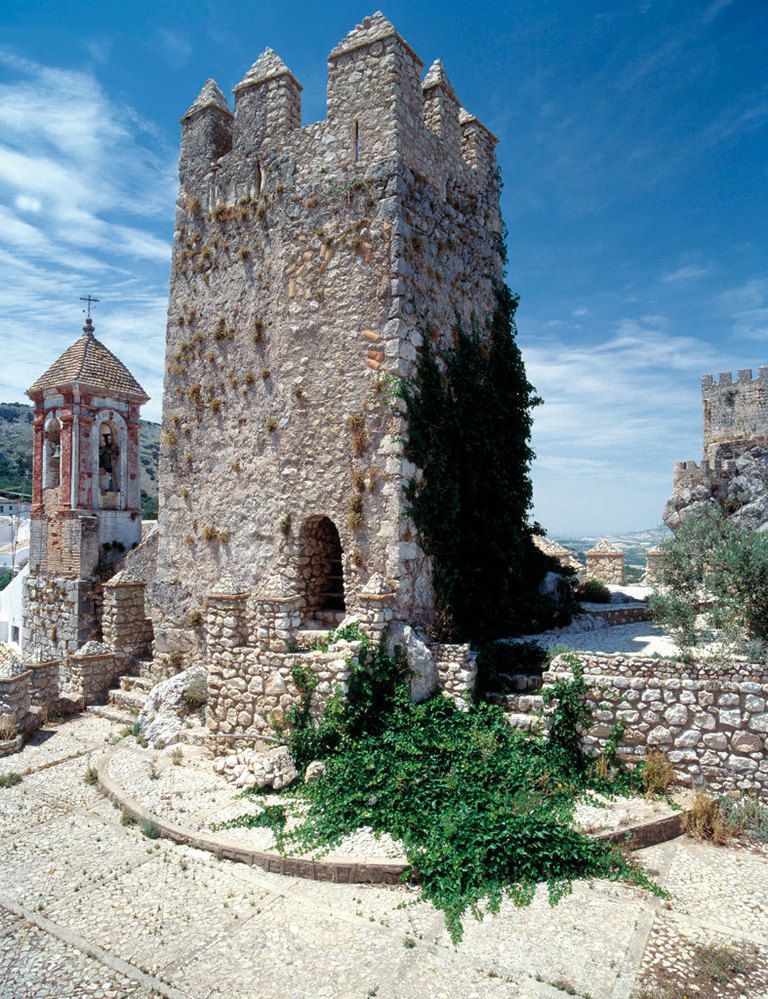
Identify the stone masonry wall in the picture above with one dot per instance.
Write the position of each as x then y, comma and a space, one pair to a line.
711, 719
125, 626
456, 672
734, 411
59, 615
307, 265
14, 695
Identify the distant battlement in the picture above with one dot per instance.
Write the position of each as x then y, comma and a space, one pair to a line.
735, 410
687, 474
379, 109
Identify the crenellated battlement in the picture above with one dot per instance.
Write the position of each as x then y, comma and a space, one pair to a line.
726, 379
309, 263
735, 409
379, 109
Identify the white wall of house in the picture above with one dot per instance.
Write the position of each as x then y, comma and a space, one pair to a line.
11, 610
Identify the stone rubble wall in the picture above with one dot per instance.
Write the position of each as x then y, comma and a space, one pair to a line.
250, 690
456, 672
735, 411
125, 626
711, 719
14, 696
44, 684
59, 615
606, 568
306, 263
87, 677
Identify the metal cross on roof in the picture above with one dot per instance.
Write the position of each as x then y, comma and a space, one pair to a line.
90, 300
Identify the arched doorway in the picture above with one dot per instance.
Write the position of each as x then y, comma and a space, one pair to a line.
321, 569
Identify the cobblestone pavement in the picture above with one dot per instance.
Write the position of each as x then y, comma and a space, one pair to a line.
90, 907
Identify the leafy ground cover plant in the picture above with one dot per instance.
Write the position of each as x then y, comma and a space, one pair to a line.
484, 811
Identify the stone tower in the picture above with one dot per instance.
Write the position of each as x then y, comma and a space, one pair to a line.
308, 264
86, 502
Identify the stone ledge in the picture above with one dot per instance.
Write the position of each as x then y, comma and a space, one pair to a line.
338, 871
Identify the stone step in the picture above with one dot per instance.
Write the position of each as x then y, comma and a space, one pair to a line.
113, 714
141, 684
521, 703
305, 638
127, 700
524, 722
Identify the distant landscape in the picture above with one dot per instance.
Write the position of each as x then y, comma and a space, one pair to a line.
16, 455
634, 544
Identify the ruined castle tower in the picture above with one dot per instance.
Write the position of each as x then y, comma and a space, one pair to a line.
308, 264
86, 500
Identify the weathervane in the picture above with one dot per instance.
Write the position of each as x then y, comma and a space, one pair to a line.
89, 299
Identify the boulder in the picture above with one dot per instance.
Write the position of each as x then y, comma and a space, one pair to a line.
165, 711
314, 770
248, 768
421, 660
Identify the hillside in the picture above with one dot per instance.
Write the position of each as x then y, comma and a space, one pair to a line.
16, 453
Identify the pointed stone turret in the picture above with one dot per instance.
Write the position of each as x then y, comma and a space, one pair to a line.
268, 66
206, 135
267, 103
374, 83
375, 28
209, 97
437, 77
441, 107
478, 143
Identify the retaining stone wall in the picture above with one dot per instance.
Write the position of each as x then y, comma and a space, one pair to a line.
456, 672
125, 625
710, 719
14, 695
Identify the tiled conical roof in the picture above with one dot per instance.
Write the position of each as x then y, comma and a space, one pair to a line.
209, 97
89, 362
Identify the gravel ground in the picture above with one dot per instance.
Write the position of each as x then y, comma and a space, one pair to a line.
90, 907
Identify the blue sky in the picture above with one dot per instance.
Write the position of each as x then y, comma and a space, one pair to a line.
633, 144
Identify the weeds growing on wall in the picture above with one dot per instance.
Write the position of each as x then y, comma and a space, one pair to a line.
484, 811
468, 415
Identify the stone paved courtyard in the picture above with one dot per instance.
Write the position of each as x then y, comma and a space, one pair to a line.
90, 907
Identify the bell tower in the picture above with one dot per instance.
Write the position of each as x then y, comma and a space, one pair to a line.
86, 501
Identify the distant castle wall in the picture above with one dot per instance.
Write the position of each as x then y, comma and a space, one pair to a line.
735, 411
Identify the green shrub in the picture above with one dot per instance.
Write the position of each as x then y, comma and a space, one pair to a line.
195, 695
10, 779
468, 416
718, 569
484, 811
150, 830
593, 591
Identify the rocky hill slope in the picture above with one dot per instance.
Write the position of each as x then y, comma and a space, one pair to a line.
16, 452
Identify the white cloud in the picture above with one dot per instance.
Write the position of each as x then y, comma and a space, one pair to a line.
714, 9
87, 192
686, 273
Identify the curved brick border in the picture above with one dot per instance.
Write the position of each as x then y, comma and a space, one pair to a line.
339, 871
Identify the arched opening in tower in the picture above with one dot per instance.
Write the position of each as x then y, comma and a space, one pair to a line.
321, 568
52, 456
109, 460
